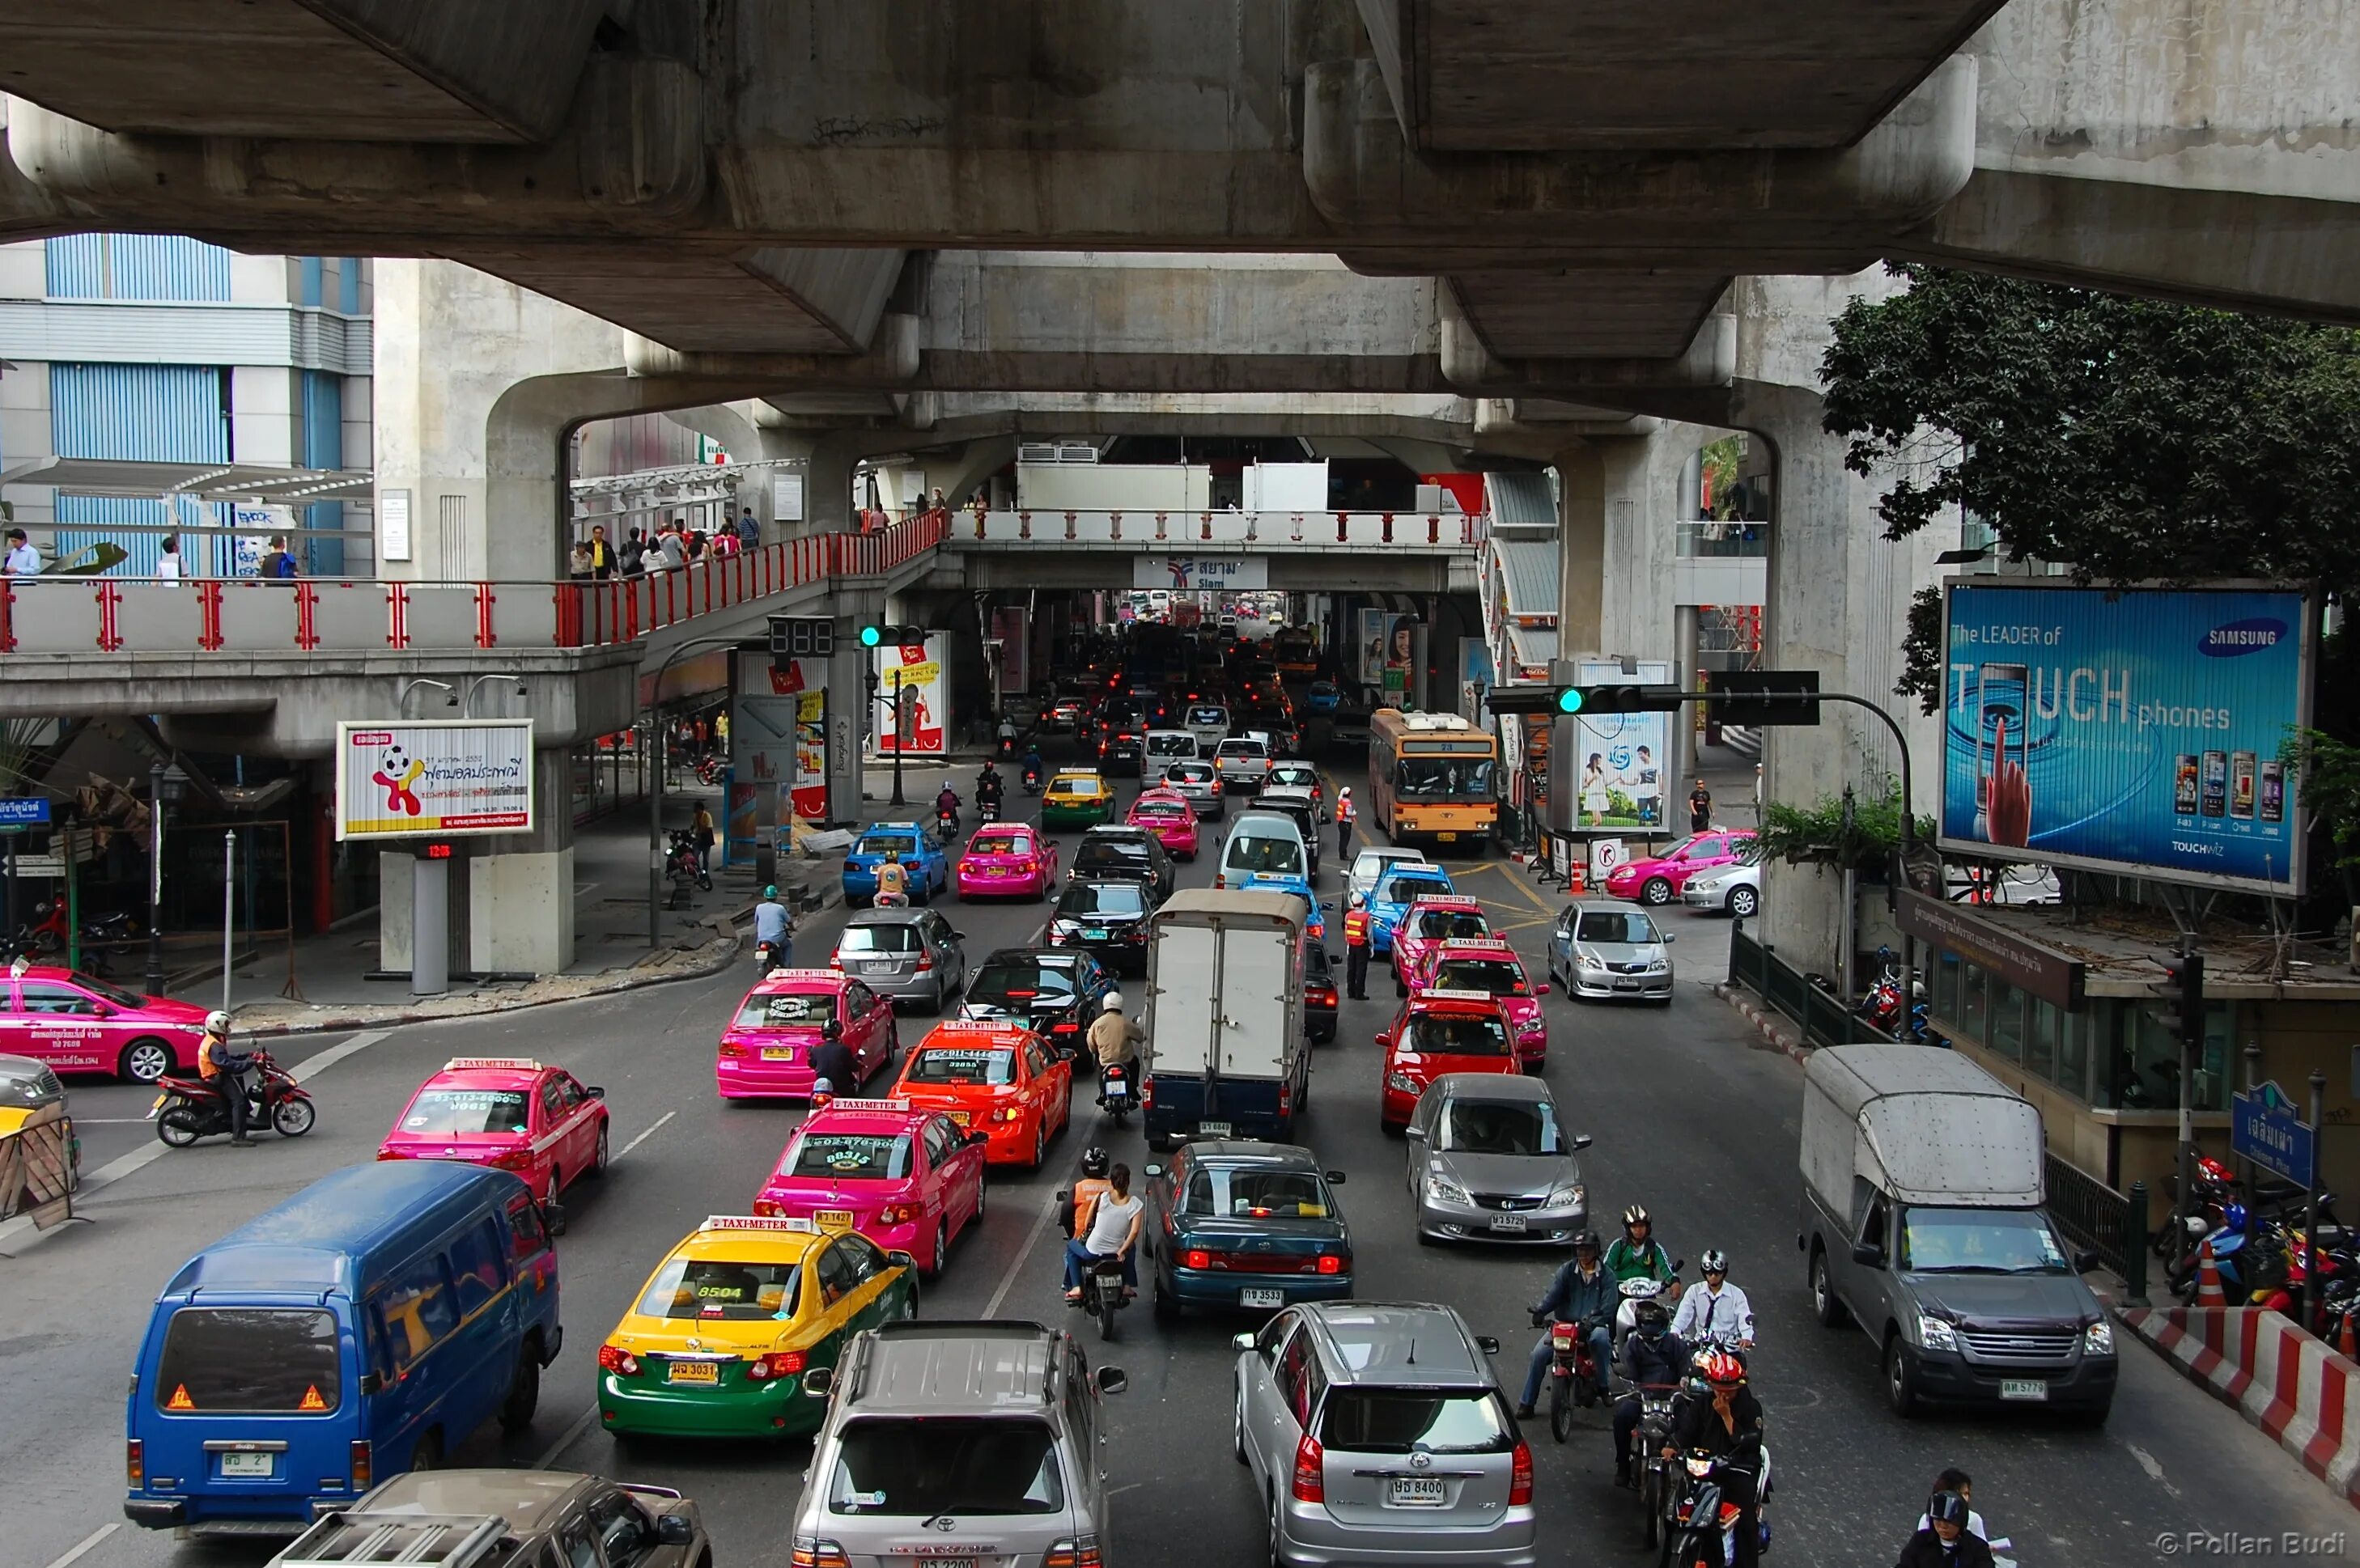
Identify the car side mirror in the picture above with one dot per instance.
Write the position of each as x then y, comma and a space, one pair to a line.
1540, 990
372, 1383
977, 1140
1582, 1140
552, 1218
1487, 1344
675, 1529
1414, 1130
101, 1011
1154, 1171
819, 1382
1669, 938
1868, 1255
1064, 1198
958, 936
1112, 1379
901, 1260
1337, 1177
1242, 1342
2085, 1261
595, 1091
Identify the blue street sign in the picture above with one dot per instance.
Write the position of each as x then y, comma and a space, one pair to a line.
24, 812
2263, 1128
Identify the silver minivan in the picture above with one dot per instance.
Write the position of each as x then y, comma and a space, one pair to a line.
973, 1442
911, 955
1375, 1432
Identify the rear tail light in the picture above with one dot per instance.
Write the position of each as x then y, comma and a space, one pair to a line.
1285, 1098
363, 1462
1311, 1472
766, 1209
1220, 880
1066, 1027
135, 1465
926, 962
1196, 1258
818, 1552
731, 1050
783, 1364
1073, 1552
514, 1160
897, 1213
1520, 1477
615, 1360
1332, 1262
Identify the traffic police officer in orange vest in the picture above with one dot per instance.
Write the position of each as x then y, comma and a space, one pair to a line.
1345, 812
1356, 947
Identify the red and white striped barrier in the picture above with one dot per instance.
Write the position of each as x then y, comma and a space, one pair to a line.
2297, 1390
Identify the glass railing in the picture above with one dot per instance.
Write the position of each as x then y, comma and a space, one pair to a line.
1710, 538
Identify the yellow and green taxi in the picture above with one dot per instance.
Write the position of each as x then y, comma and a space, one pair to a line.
1077, 798
723, 1329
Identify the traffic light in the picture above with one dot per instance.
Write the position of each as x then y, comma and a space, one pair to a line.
881, 636
2181, 993
1533, 697
1629, 700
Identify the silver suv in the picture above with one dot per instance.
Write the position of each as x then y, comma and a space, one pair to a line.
1375, 1432
975, 1440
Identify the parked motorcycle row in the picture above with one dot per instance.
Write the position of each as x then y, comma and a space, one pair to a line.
2260, 1251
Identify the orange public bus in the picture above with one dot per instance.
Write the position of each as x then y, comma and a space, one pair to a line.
1430, 778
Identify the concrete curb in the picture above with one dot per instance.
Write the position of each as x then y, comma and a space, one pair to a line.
1774, 1030
2298, 1392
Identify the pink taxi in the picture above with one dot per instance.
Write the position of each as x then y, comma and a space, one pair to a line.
1007, 859
67, 1022
1425, 925
508, 1112
1167, 814
1490, 966
906, 1178
767, 1048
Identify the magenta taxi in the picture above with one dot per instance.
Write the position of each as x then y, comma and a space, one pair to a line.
905, 1177
1490, 966
1425, 925
510, 1113
1007, 860
766, 1049
1167, 814
72, 1023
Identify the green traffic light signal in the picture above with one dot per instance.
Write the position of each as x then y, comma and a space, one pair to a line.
1569, 700
870, 637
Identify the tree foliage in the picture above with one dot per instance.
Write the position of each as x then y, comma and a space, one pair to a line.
2126, 439
1817, 834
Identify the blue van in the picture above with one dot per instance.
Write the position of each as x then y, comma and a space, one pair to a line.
363, 1327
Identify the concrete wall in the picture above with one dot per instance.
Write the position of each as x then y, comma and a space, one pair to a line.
1113, 487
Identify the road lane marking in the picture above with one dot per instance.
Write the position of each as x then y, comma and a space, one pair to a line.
573, 1435
75, 1553
320, 1062
2153, 1466
645, 1135
1016, 1264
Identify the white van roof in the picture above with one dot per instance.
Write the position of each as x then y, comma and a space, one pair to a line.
1933, 1127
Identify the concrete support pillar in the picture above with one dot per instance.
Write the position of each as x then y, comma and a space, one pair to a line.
857, 604
1615, 546
828, 482
508, 900
1683, 760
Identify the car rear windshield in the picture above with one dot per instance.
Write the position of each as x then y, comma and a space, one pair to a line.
853, 1156
1452, 925
1493, 976
1256, 1194
1401, 889
1073, 786
1407, 1420
963, 1064
1194, 772
934, 1466
1102, 899
1499, 1126
1447, 1034
1128, 855
1294, 775
998, 844
1242, 749
1171, 745
1209, 716
896, 936
1616, 928
252, 1360
1018, 985
454, 1113
1172, 809
1278, 857
723, 1289
794, 1009
878, 844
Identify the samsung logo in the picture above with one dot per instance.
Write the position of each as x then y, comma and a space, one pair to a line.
2243, 637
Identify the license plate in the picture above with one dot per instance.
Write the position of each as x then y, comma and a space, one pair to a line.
1626, 984
1447, 837
1118, 1091
1251, 1297
1213, 1130
249, 1464
2022, 1388
834, 1219
1509, 1223
932, 1560
881, 965
778, 1053
961, 1118
1094, 934
692, 1372
1416, 1492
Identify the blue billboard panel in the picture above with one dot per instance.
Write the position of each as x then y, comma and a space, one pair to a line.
2133, 730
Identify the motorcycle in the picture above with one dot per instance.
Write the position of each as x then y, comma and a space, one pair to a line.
1634, 1291
1701, 1527
767, 957
43, 938
687, 863
1115, 1097
1104, 1293
986, 811
190, 1108
1647, 1443
709, 769
1032, 781
946, 822
1573, 1375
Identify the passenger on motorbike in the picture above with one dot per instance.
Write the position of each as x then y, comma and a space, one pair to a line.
1033, 765
1959, 1481
1637, 1255
224, 1069
1581, 1294
1717, 1313
1729, 1426
988, 787
1093, 1186
893, 882
1943, 1542
1652, 1357
833, 1060
1113, 1233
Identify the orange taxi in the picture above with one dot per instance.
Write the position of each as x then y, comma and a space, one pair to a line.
994, 1078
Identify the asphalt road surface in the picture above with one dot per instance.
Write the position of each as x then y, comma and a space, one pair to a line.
1690, 1118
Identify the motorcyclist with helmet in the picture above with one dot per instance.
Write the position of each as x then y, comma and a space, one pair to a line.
1637, 1255
833, 1060
1716, 1312
1653, 1358
989, 789
946, 806
1114, 1038
1944, 1541
1581, 1294
224, 1069
1727, 1425
1034, 768
1087, 1191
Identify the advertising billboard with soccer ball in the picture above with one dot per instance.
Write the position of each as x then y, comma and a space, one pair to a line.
433, 778
2133, 730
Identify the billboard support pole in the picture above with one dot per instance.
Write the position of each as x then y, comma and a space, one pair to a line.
2310, 1204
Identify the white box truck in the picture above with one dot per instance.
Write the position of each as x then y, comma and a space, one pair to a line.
1226, 1056
1923, 1182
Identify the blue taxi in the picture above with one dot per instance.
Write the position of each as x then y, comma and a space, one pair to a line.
924, 859
1404, 883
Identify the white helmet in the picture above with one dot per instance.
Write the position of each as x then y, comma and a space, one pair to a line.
1113, 1003
217, 1022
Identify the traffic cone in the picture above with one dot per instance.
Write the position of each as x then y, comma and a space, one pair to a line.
2208, 1278
2343, 1344
1576, 888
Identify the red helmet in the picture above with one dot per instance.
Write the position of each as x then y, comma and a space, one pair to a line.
1721, 1369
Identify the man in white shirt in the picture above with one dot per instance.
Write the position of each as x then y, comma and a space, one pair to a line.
1114, 1233
22, 559
1716, 1312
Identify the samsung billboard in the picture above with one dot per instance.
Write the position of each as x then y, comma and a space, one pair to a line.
2133, 730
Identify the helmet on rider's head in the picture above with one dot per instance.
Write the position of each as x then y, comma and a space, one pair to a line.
1113, 1003
1586, 1242
1636, 1215
1721, 1369
1095, 1160
770, 891
1652, 1318
217, 1022
1946, 1507
1715, 1261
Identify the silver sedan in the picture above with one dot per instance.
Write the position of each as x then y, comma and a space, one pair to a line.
1490, 1161
1200, 786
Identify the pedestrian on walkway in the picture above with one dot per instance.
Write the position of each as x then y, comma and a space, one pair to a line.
749, 532
1757, 794
1356, 947
22, 559
277, 561
635, 554
167, 560
1345, 812
601, 554
577, 561
674, 545
701, 825
1699, 808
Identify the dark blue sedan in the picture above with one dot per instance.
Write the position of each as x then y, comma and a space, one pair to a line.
1245, 1227
924, 862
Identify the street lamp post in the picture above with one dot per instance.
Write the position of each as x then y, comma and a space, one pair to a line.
166, 784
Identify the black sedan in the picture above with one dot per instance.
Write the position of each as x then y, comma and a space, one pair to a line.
1107, 917
1245, 1225
1055, 993
1119, 849
1318, 993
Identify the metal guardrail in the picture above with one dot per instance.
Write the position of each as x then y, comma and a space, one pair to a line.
1255, 531
2093, 1215
1708, 538
248, 614
1822, 1014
